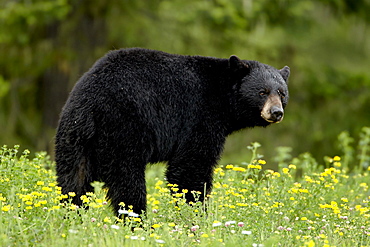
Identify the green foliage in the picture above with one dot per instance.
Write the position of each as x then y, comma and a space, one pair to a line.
302, 203
364, 148
21, 19
47, 45
356, 157
4, 87
21, 172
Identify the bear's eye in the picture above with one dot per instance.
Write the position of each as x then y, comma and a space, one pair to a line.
282, 95
263, 92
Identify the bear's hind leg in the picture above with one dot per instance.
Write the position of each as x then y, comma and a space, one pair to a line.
74, 174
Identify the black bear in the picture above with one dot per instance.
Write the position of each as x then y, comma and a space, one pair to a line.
137, 106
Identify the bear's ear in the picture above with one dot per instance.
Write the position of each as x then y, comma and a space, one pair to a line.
237, 66
285, 72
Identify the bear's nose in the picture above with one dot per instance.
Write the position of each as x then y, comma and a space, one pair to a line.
277, 114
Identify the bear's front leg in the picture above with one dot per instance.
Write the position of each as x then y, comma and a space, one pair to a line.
192, 168
127, 186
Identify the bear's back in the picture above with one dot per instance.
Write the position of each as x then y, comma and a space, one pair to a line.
163, 92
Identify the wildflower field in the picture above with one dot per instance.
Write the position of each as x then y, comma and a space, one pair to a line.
303, 203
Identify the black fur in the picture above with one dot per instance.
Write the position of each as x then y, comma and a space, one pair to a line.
138, 106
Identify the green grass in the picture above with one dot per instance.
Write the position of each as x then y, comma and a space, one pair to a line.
302, 203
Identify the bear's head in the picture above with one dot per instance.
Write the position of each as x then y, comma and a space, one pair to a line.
260, 91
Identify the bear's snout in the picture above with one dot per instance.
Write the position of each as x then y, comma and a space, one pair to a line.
277, 114
272, 110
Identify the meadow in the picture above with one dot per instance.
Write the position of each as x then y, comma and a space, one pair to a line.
303, 202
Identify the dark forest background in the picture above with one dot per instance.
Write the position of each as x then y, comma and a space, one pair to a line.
45, 46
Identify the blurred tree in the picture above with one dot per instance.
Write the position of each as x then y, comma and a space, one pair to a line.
27, 51
48, 45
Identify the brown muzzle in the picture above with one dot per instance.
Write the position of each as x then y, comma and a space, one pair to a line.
273, 111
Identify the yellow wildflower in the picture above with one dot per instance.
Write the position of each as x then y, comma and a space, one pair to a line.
45, 188
337, 164
158, 183
262, 162
71, 194
107, 220
156, 226
276, 174
291, 166
322, 236
310, 243
336, 158
239, 169
5, 208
